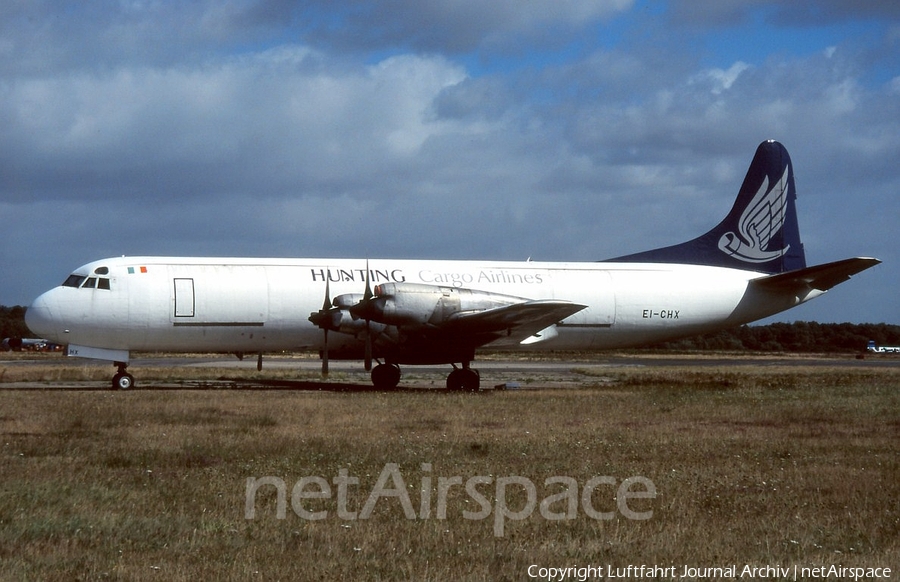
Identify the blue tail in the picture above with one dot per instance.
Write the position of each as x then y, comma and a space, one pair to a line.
759, 234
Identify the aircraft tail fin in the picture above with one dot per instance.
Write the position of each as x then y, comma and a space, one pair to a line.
760, 233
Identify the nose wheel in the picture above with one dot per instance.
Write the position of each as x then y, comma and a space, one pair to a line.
122, 380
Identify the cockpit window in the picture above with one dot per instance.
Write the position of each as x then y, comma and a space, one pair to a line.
74, 281
101, 271
87, 282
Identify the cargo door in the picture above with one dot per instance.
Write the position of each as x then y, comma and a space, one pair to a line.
184, 298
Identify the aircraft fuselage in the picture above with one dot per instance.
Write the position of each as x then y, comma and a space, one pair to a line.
263, 305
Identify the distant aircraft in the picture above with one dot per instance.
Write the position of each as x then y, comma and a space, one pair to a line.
24, 343
882, 349
394, 312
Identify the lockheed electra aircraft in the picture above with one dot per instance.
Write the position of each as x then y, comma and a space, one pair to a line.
394, 312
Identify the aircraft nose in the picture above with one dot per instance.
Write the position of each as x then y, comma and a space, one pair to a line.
41, 317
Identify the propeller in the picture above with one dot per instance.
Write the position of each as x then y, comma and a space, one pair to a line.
324, 318
363, 309
367, 296
329, 317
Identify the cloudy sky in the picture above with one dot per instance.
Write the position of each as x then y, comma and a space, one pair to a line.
551, 129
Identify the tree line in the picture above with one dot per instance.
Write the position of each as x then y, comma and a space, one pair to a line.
800, 336
12, 322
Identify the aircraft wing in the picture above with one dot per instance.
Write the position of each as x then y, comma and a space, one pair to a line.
820, 277
512, 323
423, 323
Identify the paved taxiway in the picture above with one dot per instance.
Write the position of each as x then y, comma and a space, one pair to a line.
349, 375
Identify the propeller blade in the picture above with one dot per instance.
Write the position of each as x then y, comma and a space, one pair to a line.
368, 356
326, 305
367, 296
325, 355
325, 319
368, 293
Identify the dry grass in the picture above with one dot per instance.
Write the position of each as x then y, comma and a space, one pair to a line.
52, 368
761, 466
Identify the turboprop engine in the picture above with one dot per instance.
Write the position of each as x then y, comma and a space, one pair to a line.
394, 309
416, 304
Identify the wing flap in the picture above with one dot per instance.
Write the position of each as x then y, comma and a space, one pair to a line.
820, 277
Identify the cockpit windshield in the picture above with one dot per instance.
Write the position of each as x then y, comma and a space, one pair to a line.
82, 282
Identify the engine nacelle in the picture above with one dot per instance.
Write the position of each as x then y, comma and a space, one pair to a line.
405, 304
347, 300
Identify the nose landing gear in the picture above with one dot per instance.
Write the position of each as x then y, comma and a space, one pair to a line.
122, 380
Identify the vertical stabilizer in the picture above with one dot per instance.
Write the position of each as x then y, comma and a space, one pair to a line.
761, 231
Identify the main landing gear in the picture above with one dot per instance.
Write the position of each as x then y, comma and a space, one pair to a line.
387, 377
464, 379
122, 380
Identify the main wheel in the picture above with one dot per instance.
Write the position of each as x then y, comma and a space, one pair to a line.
386, 376
465, 379
122, 381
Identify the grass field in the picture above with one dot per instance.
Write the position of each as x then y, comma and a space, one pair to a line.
755, 465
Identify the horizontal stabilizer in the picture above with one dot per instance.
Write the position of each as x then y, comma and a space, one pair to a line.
821, 277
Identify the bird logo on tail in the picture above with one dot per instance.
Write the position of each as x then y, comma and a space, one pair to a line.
761, 220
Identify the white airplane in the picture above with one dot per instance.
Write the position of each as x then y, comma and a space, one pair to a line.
882, 349
750, 266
